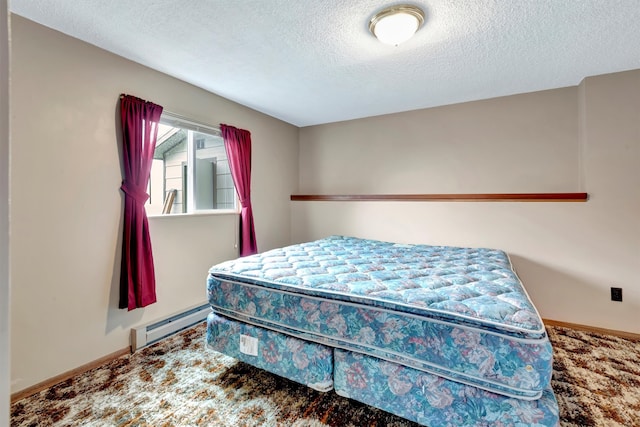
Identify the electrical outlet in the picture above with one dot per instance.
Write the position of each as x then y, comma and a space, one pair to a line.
616, 294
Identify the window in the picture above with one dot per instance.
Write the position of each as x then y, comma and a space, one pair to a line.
190, 171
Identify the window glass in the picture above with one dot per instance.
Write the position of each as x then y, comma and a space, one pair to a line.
190, 171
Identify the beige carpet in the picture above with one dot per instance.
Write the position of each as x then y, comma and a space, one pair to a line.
177, 383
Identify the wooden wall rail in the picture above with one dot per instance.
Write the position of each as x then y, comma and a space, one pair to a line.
490, 197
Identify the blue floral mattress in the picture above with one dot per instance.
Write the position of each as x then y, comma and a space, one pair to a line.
459, 313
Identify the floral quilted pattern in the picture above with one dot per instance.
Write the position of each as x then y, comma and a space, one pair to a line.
434, 401
495, 362
307, 363
473, 285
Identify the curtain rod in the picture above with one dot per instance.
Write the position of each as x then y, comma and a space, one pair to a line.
189, 121
122, 95
182, 118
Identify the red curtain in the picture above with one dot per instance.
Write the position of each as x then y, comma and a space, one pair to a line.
237, 143
139, 120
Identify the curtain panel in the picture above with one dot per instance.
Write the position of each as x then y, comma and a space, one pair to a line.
237, 143
139, 120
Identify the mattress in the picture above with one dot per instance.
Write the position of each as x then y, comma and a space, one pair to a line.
459, 313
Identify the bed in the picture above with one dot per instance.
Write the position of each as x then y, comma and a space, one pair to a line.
439, 335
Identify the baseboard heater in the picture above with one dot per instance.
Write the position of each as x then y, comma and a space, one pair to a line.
142, 336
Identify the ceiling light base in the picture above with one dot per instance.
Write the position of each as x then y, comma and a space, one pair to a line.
396, 24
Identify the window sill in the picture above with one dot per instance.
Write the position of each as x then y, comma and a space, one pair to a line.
214, 212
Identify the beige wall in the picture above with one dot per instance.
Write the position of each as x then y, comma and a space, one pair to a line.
4, 216
584, 138
519, 143
67, 205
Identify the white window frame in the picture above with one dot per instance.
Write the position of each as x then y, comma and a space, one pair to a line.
191, 127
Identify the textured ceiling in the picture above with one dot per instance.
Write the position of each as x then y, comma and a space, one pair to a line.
314, 61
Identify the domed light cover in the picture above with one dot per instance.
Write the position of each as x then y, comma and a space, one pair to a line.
396, 24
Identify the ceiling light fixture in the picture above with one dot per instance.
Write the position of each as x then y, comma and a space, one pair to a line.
396, 24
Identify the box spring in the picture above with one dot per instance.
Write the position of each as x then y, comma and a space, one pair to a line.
409, 393
304, 362
434, 401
